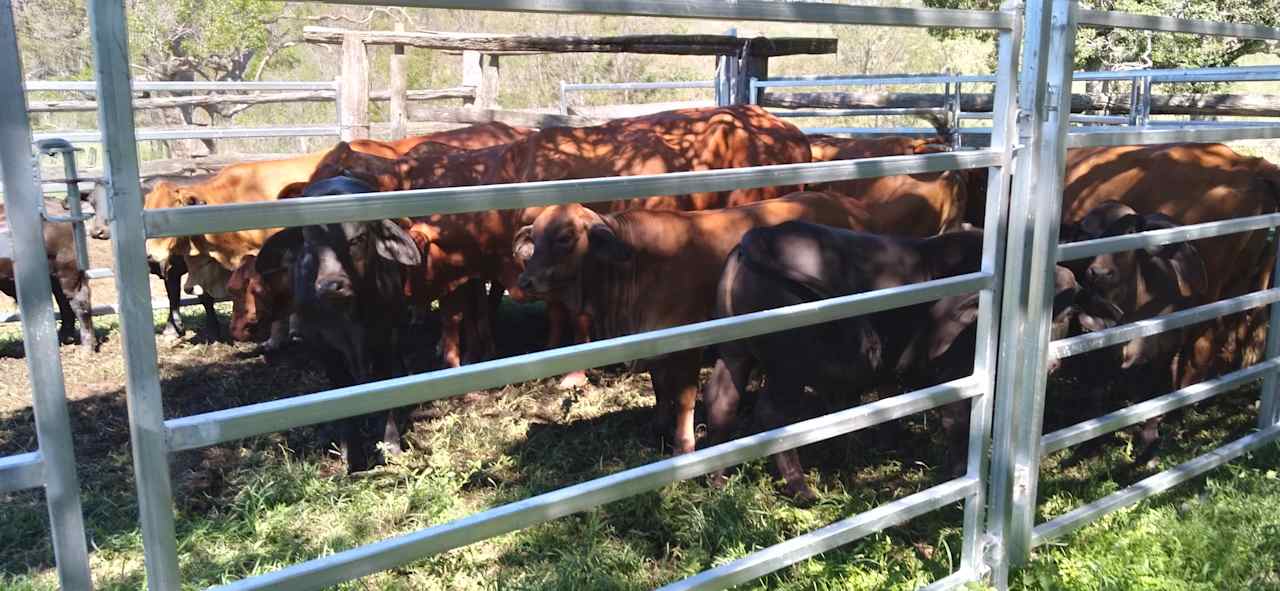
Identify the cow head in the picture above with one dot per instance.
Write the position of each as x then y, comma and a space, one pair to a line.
340, 258
555, 247
261, 291
1078, 310
1160, 279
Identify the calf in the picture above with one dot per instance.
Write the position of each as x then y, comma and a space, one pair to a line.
348, 285
642, 270
799, 262
170, 269
1145, 283
68, 280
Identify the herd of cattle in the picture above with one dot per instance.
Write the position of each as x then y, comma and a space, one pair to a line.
614, 268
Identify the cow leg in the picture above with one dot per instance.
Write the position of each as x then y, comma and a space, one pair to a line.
1148, 443
721, 397
581, 334
452, 309
779, 405
955, 429
66, 327
675, 386
479, 323
211, 321
77, 285
173, 291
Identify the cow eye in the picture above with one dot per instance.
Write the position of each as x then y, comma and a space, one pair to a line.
565, 239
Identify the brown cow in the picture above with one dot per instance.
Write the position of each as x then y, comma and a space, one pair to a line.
68, 279
470, 138
478, 245
644, 270
911, 205
825, 148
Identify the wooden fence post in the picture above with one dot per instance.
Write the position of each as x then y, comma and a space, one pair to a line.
480, 71
399, 89
353, 96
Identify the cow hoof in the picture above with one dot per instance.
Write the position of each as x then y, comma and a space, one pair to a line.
800, 494
717, 479
571, 381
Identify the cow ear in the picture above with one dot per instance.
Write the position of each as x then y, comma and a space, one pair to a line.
1192, 274
292, 190
962, 316
395, 244
186, 198
278, 251
522, 246
1126, 224
605, 245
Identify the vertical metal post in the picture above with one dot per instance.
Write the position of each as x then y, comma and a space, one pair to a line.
48, 399
142, 382
1003, 136
64, 149
958, 140
1144, 114
1269, 406
564, 99
1135, 100
1036, 206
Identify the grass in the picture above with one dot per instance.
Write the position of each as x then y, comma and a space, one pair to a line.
260, 504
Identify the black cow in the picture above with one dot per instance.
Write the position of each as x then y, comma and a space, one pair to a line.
799, 262
1145, 283
348, 285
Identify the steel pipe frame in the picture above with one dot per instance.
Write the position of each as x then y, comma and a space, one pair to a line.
1269, 403
23, 204
1167, 24
1152, 485
1099, 246
887, 131
142, 382
183, 221
157, 304
156, 85
567, 87
81, 137
1035, 210
21, 472
837, 534
1111, 136
1137, 413
393, 552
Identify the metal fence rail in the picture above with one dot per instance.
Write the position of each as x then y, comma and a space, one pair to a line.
1006, 442
1140, 98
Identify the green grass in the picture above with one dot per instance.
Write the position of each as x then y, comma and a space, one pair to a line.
261, 504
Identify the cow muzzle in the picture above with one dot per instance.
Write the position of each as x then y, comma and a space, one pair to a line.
337, 289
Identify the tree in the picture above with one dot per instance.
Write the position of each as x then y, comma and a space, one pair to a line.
187, 40
1111, 49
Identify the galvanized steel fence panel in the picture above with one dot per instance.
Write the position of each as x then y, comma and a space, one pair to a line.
1026, 161
52, 466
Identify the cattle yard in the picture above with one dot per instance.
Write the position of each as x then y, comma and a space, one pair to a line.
227, 470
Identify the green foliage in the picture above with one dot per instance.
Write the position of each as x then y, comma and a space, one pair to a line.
1105, 49
215, 38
